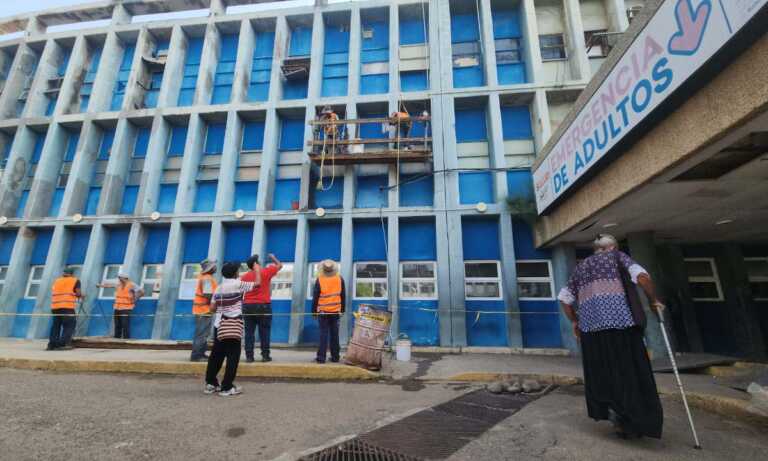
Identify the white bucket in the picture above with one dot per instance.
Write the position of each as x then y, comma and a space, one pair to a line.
403, 350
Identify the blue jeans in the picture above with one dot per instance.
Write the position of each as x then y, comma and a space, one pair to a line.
62, 328
257, 315
329, 330
202, 333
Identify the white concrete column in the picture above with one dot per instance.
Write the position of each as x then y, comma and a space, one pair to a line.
18, 273
577, 49
355, 45
106, 75
116, 175
81, 172
120, 15
218, 8
169, 290
208, 62
394, 48
21, 68
245, 47
54, 263
532, 53
134, 94
149, 188
282, 35
93, 267
68, 100
489, 44
298, 298
225, 193
174, 69
542, 126
496, 147
441, 55
46, 172
193, 152
563, 263
47, 68
617, 15
316, 66
509, 280
269, 158
15, 173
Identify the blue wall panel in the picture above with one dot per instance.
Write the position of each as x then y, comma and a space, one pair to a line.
372, 130
40, 249
142, 142
335, 61
238, 242
324, 241
196, 240
21, 323
510, 74
92, 203
214, 139
253, 135
417, 190
506, 24
417, 240
167, 199
414, 80
464, 28
281, 240
183, 328
286, 192
480, 238
225, 69
374, 84
372, 192
58, 196
541, 328
467, 77
7, 240
475, 187
37, 150
419, 320
130, 194
142, 319
107, 139
516, 122
78, 245
310, 328
281, 321
73, 137
522, 236
471, 125
178, 139
291, 134
301, 41
102, 322
295, 89
412, 31
369, 241
191, 69
258, 87
22, 203
122, 77
156, 245
245, 195
486, 330
332, 194
520, 185
205, 198
117, 241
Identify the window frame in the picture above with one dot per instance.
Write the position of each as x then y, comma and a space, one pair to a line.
602, 47
757, 278
104, 279
419, 281
3, 276
562, 46
184, 282
550, 279
714, 278
497, 279
373, 281
158, 282
288, 268
311, 277
31, 281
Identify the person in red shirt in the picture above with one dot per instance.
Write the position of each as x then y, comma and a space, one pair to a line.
257, 306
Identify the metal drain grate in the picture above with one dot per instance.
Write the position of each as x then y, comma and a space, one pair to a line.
435, 433
357, 450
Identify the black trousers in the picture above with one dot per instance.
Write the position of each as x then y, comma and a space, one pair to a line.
62, 328
123, 323
329, 331
257, 315
227, 349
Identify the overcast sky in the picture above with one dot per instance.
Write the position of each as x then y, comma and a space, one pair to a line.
11, 7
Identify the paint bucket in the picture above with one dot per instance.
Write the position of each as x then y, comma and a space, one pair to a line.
403, 349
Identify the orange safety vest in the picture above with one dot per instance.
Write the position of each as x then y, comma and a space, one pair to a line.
330, 294
63, 293
202, 304
331, 129
123, 297
401, 116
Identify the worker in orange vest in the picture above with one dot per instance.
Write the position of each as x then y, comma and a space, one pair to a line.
201, 307
330, 130
328, 301
126, 295
401, 120
65, 294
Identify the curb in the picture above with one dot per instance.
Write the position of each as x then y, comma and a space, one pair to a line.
483, 377
327, 372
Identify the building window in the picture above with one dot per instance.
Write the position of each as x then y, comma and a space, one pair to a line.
508, 51
703, 279
418, 280
109, 277
188, 284
534, 280
311, 278
282, 283
597, 43
482, 279
33, 284
552, 47
757, 271
3, 275
151, 278
371, 280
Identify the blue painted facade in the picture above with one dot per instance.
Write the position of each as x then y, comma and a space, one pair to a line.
335, 60
281, 241
374, 57
90, 77
155, 77
225, 70
196, 241
191, 69
123, 74
261, 68
419, 318
61, 71
299, 47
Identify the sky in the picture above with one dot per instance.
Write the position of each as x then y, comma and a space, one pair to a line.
12, 7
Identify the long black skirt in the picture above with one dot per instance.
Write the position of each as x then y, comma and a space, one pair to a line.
618, 376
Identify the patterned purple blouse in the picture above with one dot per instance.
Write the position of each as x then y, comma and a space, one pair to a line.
596, 292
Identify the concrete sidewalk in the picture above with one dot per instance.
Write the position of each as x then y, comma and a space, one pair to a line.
703, 391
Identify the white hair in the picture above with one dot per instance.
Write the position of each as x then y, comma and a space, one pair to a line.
605, 242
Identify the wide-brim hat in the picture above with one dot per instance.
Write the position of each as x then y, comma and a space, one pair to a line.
329, 267
123, 275
69, 270
208, 265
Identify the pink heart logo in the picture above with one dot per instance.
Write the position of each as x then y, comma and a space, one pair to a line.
691, 25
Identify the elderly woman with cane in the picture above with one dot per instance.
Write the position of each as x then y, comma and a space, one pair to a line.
600, 300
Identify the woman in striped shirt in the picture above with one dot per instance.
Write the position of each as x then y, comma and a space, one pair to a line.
227, 305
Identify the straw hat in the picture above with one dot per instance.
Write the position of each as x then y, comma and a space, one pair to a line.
329, 267
208, 265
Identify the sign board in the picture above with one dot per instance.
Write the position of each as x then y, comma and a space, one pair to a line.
681, 36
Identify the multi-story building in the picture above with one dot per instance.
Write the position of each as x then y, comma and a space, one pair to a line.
152, 134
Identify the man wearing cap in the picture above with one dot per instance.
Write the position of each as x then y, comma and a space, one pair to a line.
328, 301
126, 295
64, 296
201, 308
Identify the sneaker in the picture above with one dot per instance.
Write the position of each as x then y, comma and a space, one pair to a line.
335, 360
211, 389
235, 390
266, 358
319, 361
249, 360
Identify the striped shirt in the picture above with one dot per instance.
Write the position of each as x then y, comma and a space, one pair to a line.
228, 299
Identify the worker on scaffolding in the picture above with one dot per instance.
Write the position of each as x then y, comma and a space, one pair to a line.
329, 129
402, 123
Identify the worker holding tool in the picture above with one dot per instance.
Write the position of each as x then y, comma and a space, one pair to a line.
65, 294
328, 301
402, 122
330, 130
201, 308
126, 295
600, 300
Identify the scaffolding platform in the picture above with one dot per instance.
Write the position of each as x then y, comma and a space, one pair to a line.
378, 156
